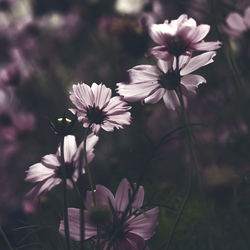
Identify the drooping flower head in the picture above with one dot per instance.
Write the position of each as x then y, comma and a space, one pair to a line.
149, 83
96, 108
180, 37
237, 24
131, 230
48, 172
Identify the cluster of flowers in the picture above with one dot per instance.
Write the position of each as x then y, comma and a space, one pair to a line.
125, 226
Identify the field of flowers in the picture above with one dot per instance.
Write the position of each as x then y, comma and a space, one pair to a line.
124, 124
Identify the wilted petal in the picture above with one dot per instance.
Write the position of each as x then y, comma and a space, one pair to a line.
191, 82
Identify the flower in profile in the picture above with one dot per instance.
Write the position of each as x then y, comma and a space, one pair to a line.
180, 37
48, 172
237, 24
149, 83
131, 229
96, 108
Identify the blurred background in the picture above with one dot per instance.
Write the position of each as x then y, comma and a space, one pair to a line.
47, 46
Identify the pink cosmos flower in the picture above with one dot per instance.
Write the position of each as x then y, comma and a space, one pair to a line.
150, 83
131, 233
180, 37
237, 24
48, 172
96, 108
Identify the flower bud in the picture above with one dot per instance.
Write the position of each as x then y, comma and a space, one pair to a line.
63, 126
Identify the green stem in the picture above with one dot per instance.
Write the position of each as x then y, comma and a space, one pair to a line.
5, 239
65, 202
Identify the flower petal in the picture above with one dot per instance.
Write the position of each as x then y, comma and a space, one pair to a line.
207, 46
144, 224
74, 225
137, 92
70, 148
103, 196
236, 22
156, 96
191, 82
197, 62
171, 100
247, 17
51, 161
200, 32
102, 95
38, 172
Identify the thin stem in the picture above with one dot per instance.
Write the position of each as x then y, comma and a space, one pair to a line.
5, 239
65, 202
193, 158
87, 166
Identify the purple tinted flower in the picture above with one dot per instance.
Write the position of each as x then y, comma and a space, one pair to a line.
96, 108
48, 172
237, 24
131, 233
150, 83
180, 37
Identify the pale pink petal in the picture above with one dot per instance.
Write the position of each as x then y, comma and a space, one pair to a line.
156, 96
95, 128
207, 46
132, 242
43, 187
191, 82
124, 193
38, 172
116, 106
160, 52
70, 148
102, 95
165, 66
144, 225
74, 225
236, 21
143, 73
247, 17
81, 96
161, 32
122, 196
197, 62
171, 100
200, 32
137, 92
51, 161
103, 196
92, 139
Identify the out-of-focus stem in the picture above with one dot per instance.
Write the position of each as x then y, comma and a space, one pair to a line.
65, 202
5, 239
